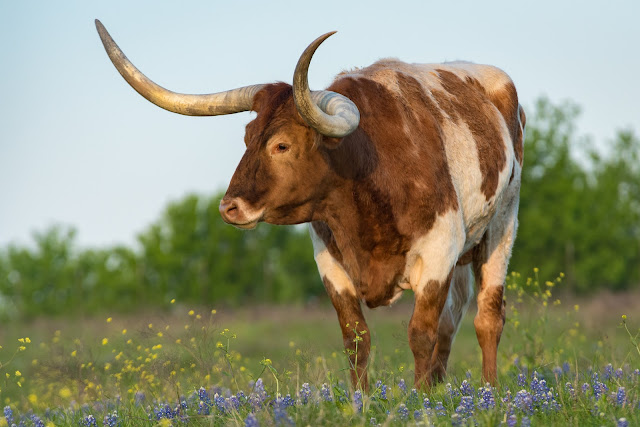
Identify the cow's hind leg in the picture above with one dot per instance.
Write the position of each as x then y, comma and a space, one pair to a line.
460, 294
490, 262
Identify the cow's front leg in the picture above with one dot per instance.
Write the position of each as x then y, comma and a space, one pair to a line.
344, 298
355, 333
423, 327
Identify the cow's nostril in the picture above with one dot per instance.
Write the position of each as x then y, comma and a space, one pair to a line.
229, 210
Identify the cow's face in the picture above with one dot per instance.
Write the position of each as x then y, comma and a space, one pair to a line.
283, 172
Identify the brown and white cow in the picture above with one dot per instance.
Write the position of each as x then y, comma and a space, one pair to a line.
409, 176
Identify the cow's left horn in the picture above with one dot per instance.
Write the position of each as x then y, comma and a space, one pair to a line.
328, 112
228, 102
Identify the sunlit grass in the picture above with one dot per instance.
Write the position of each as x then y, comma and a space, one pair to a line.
286, 365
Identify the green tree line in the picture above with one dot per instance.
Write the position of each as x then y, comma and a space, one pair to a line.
579, 214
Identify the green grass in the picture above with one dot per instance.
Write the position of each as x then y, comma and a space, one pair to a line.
70, 368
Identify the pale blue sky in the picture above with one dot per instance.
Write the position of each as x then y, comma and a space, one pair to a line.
78, 146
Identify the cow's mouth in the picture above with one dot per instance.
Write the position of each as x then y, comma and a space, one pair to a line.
247, 225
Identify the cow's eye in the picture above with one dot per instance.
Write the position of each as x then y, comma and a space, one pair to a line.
281, 148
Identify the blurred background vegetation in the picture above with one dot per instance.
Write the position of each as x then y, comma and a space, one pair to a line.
579, 214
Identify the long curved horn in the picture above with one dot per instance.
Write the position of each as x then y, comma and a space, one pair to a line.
328, 112
214, 104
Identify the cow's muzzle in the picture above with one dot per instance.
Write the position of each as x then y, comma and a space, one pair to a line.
235, 211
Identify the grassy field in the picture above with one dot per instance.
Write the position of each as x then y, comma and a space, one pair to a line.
560, 363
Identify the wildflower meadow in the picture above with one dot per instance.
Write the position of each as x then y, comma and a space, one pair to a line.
285, 366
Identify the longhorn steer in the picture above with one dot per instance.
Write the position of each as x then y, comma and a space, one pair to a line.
409, 176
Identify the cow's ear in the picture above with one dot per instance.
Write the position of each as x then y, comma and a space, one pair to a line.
330, 142
258, 99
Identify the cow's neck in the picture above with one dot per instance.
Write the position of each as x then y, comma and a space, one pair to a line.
372, 248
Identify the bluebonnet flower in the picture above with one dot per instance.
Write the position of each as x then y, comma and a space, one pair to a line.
466, 407
608, 372
111, 419
456, 420
440, 411
466, 388
357, 400
258, 395
524, 401
468, 375
417, 415
522, 380
585, 388
233, 402
413, 399
403, 412
383, 391
402, 386
325, 393
512, 421
619, 373
373, 421
426, 403
569, 387
305, 392
566, 368
220, 403
8, 414
557, 371
525, 422
37, 422
599, 388
89, 421
485, 398
280, 412
251, 421
451, 392
621, 396
139, 397
622, 422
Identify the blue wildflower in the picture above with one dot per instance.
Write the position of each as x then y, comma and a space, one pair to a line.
557, 371
220, 403
466, 407
373, 421
258, 395
522, 380
619, 373
622, 422
451, 392
383, 391
8, 414
599, 388
426, 403
111, 420
402, 386
524, 401
608, 372
37, 422
403, 412
486, 399
357, 400
525, 422
251, 421
417, 415
585, 388
89, 421
280, 412
566, 368
466, 388
512, 420
440, 411
139, 397
569, 387
413, 399
621, 396
325, 393
305, 392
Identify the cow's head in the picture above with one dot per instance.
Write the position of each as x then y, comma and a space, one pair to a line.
283, 173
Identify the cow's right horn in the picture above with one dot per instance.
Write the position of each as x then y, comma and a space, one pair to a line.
214, 104
328, 112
